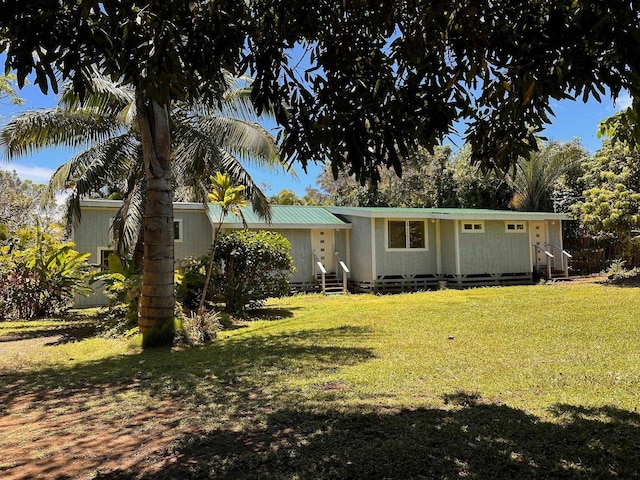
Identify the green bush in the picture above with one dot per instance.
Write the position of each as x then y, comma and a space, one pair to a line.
191, 275
253, 266
40, 275
123, 286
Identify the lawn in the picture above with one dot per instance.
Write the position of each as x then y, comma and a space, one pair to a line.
491, 383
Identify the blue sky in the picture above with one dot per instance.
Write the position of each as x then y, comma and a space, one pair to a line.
572, 119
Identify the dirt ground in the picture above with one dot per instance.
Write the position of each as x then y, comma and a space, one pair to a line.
76, 437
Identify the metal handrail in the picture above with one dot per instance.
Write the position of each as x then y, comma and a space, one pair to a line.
563, 254
323, 271
345, 271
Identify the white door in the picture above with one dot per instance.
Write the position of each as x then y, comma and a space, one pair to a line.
322, 246
539, 238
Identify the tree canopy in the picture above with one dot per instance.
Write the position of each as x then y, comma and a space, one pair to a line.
380, 79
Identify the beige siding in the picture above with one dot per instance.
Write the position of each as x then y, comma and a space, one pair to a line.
300, 253
494, 251
405, 262
197, 234
554, 232
361, 255
448, 246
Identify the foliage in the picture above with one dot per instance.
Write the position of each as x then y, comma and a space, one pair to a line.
7, 89
537, 176
200, 329
229, 197
253, 267
441, 179
612, 198
123, 285
24, 203
40, 275
191, 275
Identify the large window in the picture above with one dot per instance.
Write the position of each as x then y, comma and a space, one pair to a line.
406, 234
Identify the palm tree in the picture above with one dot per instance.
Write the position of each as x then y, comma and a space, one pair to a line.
229, 197
536, 175
107, 127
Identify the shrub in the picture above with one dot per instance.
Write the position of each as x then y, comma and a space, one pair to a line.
40, 275
123, 286
192, 273
253, 266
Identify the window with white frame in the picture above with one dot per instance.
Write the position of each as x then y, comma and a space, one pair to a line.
472, 227
177, 230
406, 234
515, 227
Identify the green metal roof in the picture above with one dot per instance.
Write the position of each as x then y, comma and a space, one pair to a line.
282, 216
444, 213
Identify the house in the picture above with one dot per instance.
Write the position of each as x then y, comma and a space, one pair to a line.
373, 249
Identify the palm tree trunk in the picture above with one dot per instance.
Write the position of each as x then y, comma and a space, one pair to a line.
157, 302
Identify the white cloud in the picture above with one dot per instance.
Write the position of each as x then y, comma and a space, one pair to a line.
30, 172
623, 101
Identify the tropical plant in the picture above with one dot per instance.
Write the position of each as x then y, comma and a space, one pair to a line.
230, 199
537, 174
40, 275
122, 283
254, 266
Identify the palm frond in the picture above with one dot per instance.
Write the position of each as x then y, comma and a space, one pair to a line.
104, 97
250, 142
127, 224
93, 168
33, 131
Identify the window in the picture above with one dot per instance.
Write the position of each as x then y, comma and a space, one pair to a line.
103, 256
177, 230
515, 227
473, 227
406, 234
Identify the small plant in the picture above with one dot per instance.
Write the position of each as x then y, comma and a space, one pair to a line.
123, 286
192, 272
201, 329
617, 272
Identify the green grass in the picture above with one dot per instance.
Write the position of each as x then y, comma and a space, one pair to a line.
495, 383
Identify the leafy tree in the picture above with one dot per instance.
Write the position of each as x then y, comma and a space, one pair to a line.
380, 80
611, 205
230, 199
254, 266
7, 91
286, 197
537, 175
24, 203
477, 189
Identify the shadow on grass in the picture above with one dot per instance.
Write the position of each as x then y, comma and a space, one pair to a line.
271, 313
69, 332
83, 406
473, 439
